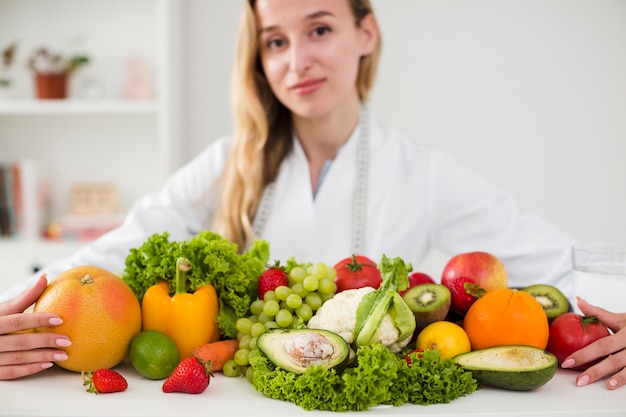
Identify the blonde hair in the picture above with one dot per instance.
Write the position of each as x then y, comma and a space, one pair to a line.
262, 136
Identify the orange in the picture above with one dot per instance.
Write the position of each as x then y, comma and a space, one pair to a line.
506, 316
100, 313
447, 337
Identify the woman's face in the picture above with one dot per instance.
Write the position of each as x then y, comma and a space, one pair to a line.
310, 52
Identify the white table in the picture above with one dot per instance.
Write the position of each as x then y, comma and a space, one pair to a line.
56, 392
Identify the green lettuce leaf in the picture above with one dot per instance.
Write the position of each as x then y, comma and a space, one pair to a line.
214, 261
380, 377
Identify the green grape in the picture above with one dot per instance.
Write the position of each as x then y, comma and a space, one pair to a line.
252, 345
294, 301
231, 369
263, 318
283, 304
310, 283
297, 274
313, 300
244, 341
243, 325
319, 270
283, 318
331, 273
257, 329
326, 286
326, 297
269, 295
242, 357
256, 307
282, 292
298, 289
304, 312
270, 325
253, 353
271, 307
250, 374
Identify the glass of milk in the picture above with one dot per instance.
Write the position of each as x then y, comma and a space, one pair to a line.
599, 275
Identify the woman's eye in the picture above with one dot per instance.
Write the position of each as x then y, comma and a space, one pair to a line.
274, 43
321, 30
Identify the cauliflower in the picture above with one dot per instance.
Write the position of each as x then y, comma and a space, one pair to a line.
339, 315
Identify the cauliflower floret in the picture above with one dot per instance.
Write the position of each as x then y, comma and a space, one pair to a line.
338, 315
387, 334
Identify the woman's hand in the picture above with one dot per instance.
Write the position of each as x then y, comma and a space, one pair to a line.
613, 346
27, 353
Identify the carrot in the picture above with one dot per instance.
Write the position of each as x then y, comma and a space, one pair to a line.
217, 353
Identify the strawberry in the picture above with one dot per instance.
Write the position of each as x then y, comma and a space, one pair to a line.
191, 376
104, 381
271, 278
464, 292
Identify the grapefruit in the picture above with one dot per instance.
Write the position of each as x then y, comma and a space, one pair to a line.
100, 313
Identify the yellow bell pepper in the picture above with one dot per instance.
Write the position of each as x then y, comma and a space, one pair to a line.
188, 318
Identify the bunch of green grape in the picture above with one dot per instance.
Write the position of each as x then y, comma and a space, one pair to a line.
310, 285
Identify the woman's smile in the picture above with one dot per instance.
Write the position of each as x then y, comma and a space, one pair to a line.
307, 86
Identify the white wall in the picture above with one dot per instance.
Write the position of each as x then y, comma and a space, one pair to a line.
529, 93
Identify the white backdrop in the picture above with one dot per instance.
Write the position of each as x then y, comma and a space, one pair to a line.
529, 93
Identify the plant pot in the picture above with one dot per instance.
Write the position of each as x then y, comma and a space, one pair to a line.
51, 85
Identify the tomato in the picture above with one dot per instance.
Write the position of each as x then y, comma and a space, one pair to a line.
570, 332
357, 271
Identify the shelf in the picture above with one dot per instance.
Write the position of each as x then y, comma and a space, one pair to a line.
73, 106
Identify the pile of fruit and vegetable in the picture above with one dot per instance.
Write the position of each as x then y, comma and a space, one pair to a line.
345, 337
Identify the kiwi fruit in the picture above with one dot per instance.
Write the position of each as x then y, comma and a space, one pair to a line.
428, 302
553, 301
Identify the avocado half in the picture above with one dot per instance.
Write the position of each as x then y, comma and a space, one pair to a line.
296, 350
514, 367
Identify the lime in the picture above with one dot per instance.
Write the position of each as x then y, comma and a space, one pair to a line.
154, 354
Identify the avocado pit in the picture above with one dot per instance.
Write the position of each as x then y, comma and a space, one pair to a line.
296, 350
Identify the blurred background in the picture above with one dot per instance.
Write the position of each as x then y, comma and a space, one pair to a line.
531, 94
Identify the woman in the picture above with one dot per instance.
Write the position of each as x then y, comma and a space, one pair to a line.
310, 171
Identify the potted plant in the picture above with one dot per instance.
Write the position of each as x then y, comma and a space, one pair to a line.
52, 72
6, 83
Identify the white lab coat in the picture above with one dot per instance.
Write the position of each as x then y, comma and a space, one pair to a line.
417, 199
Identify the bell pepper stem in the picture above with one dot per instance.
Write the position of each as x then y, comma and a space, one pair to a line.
182, 266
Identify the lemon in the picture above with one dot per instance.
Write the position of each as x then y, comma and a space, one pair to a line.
154, 354
449, 338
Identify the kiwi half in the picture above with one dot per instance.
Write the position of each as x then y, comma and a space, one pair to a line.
552, 300
428, 302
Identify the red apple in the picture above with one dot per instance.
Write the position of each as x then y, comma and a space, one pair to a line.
485, 269
418, 278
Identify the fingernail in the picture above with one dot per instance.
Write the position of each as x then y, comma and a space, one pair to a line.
63, 342
583, 380
55, 321
613, 382
46, 365
567, 363
60, 356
